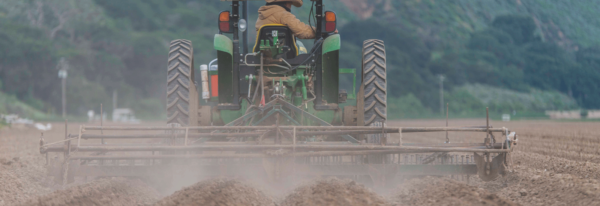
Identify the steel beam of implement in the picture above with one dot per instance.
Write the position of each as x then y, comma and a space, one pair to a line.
390, 129
298, 154
462, 147
248, 134
257, 169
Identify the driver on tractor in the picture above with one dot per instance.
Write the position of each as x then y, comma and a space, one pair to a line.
279, 12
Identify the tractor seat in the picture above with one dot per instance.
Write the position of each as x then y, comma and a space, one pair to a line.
284, 34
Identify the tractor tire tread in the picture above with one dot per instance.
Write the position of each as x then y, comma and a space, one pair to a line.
179, 69
375, 85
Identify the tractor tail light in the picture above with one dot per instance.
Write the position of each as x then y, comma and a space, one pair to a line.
224, 23
330, 21
214, 85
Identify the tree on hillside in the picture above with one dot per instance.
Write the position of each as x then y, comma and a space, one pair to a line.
27, 60
520, 27
584, 82
53, 16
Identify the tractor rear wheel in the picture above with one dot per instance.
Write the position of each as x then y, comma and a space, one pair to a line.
374, 82
374, 105
182, 97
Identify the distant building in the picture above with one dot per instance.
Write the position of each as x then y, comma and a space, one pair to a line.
573, 114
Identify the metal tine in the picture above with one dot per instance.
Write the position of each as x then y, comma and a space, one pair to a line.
447, 140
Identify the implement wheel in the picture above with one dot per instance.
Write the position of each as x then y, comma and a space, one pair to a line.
182, 97
374, 82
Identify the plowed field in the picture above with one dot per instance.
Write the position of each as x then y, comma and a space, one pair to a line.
554, 163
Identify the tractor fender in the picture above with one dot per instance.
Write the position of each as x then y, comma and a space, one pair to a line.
331, 65
332, 43
224, 47
223, 43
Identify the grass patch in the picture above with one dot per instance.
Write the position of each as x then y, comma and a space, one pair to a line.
9, 104
471, 101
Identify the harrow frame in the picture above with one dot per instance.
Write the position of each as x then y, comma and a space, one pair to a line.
193, 149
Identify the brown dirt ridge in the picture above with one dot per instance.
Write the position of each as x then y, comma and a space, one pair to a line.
332, 192
442, 191
213, 192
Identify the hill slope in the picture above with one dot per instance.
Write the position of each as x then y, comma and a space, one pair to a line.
567, 23
120, 45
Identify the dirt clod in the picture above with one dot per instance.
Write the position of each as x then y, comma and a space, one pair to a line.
523, 192
6, 162
217, 192
333, 192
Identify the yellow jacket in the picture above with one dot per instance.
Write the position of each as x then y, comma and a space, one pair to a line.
275, 14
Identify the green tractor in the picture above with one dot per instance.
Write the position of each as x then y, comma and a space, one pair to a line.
305, 83
278, 113
283, 95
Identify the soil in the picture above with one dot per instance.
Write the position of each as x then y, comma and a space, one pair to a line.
554, 163
440, 191
217, 192
533, 186
21, 180
333, 191
112, 191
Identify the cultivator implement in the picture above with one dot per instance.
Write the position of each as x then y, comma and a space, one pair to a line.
235, 151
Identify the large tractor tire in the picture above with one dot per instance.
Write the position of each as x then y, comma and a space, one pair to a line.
182, 97
374, 83
374, 106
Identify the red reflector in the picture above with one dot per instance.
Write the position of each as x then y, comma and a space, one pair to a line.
330, 26
224, 26
214, 85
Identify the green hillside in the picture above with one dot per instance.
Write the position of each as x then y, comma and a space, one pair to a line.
11, 105
569, 23
120, 45
522, 45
